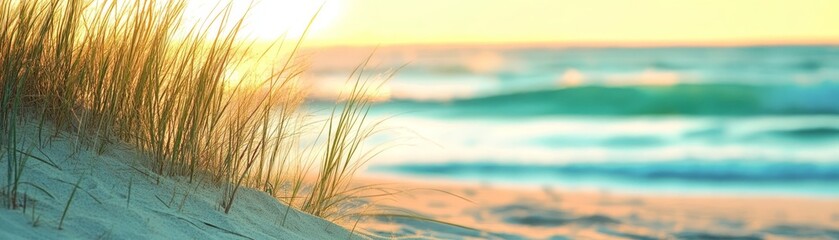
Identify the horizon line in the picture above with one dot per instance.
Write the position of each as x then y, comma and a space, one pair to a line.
592, 44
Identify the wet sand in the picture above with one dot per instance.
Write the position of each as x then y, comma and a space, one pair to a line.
505, 212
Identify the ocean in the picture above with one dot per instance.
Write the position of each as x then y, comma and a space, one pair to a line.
667, 120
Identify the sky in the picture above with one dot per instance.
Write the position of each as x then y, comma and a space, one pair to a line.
609, 22
571, 22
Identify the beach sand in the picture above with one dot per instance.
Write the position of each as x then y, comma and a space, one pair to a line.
119, 198
505, 212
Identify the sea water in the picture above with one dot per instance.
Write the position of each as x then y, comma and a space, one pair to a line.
706, 120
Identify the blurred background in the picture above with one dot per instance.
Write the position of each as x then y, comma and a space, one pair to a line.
756, 119
724, 97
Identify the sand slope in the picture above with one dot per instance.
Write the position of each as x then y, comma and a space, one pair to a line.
170, 209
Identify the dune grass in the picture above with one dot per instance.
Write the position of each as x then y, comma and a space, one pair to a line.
201, 102
187, 95
69, 201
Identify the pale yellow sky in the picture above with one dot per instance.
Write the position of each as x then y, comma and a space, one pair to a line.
617, 22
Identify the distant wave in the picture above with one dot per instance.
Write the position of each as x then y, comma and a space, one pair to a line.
692, 171
684, 99
808, 133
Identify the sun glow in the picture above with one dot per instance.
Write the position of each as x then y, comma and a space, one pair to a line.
270, 20
264, 22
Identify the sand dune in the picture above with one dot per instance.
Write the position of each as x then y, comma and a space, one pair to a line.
154, 207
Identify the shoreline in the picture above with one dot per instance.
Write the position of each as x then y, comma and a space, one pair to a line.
502, 212
633, 189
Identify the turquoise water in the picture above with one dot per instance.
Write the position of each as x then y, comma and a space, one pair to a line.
691, 99
734, 120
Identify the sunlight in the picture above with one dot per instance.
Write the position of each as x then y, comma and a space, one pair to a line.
274, 19
266, 21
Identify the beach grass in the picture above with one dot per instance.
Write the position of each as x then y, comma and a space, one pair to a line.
201, 103
187, 95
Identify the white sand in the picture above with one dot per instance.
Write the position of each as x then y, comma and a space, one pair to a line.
101, 210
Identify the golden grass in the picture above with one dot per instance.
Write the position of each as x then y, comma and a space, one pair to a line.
132, 71
188, 96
